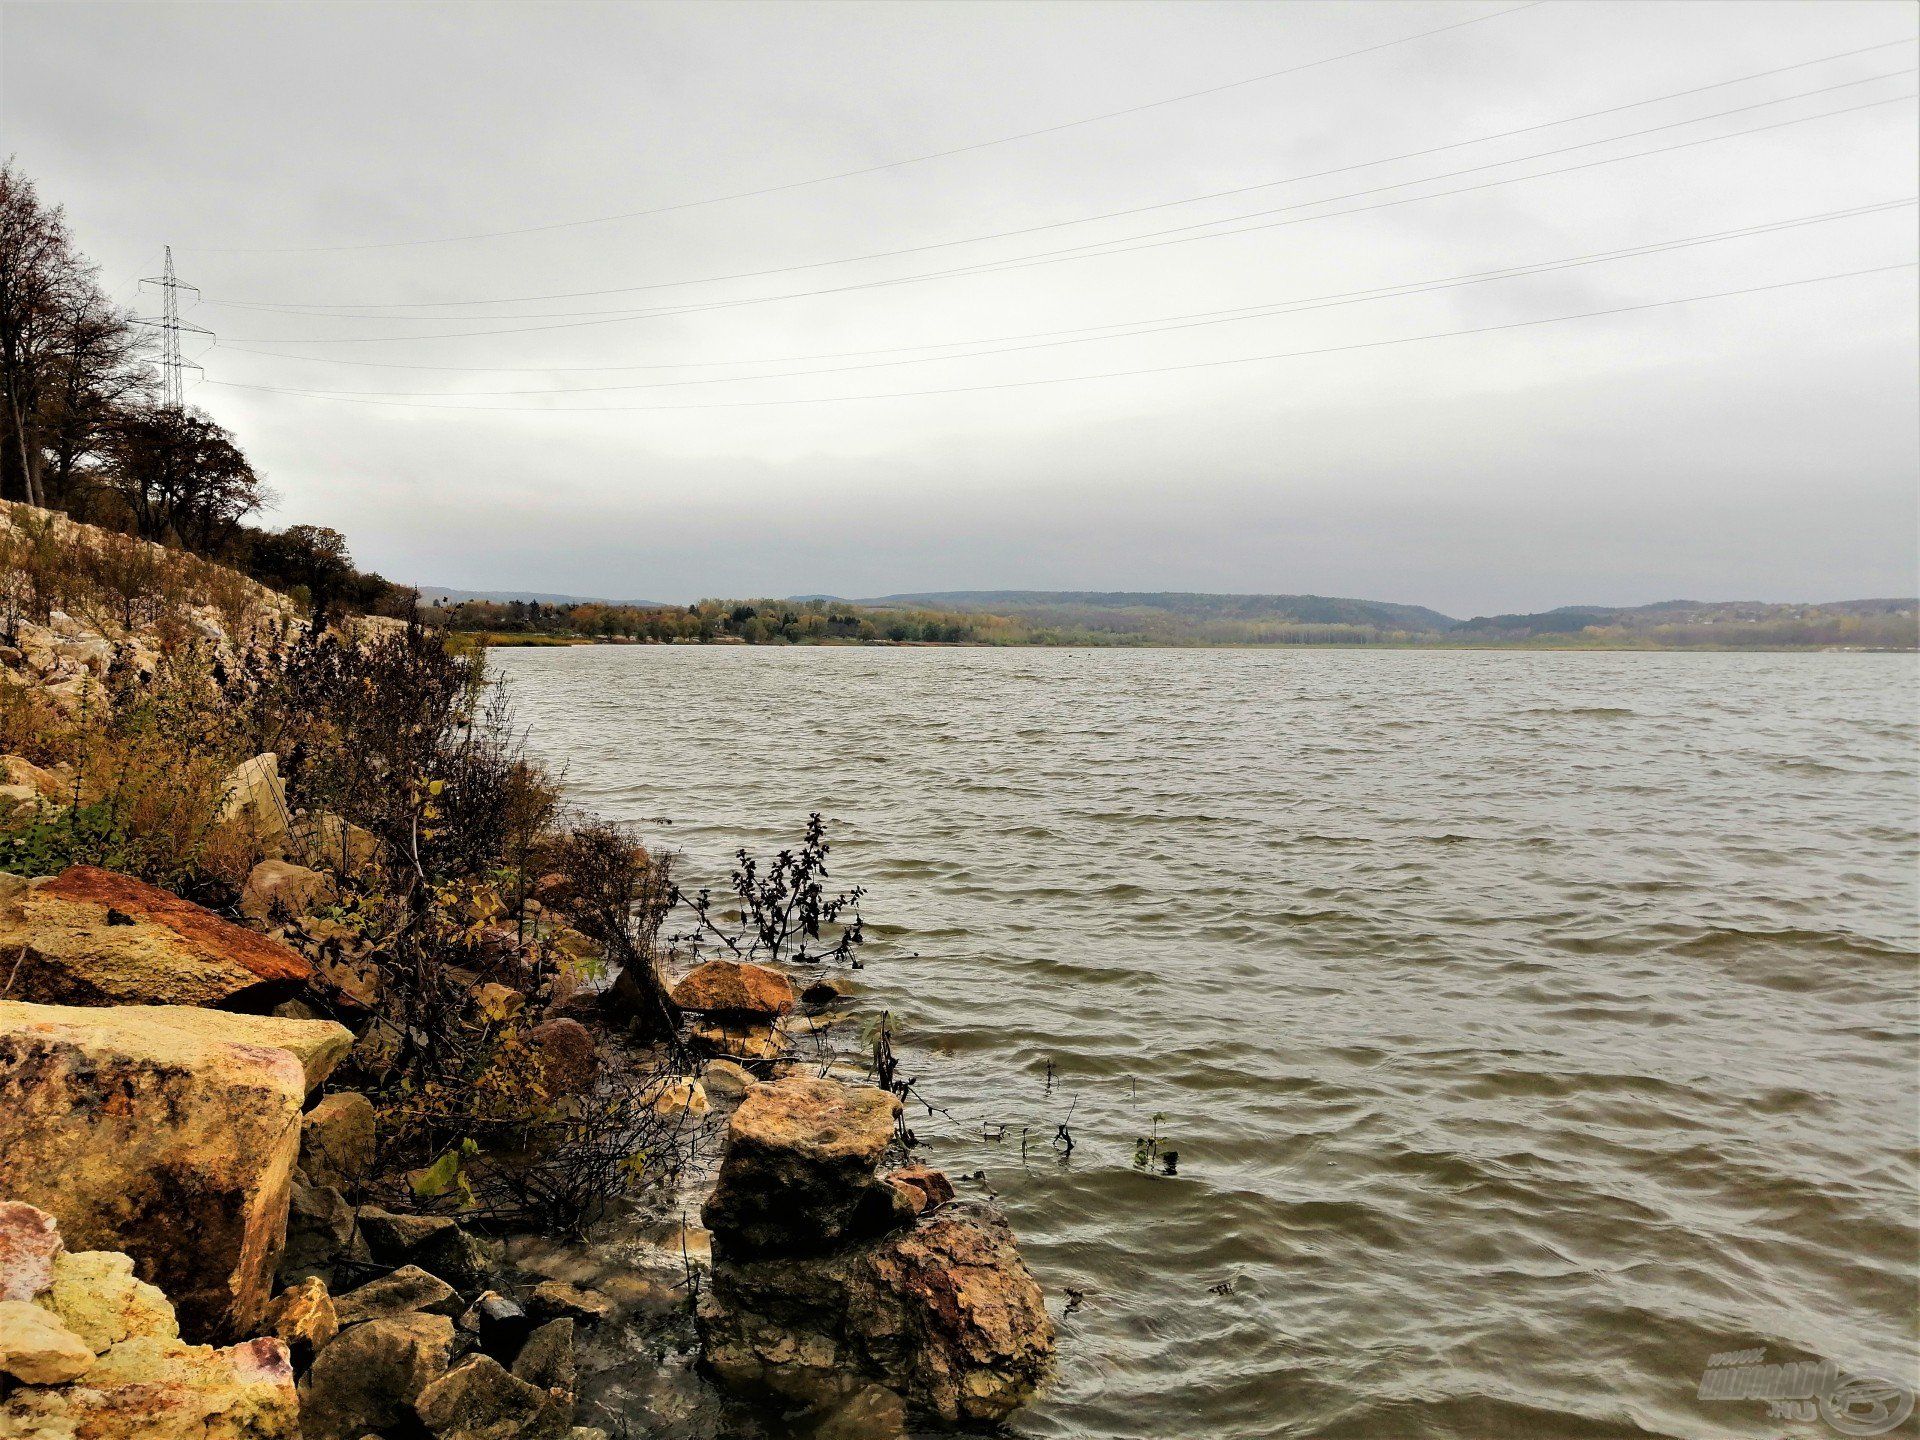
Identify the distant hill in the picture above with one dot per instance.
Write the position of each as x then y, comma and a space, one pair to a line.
1878, 618
1194, 607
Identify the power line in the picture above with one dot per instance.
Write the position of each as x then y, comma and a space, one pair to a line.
1152, 240
873, 169
1192, 321
292, 307
893, 349
1106, 374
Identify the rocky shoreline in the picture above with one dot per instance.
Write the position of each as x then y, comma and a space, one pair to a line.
206, 1228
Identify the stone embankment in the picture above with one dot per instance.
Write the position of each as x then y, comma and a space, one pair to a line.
172, 1106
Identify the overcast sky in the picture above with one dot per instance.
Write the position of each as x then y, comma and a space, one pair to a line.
1755, 446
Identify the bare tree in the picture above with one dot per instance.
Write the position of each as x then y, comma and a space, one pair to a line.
99, 371
37, 274
69, 358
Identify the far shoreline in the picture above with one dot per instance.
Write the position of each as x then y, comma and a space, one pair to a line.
554, 641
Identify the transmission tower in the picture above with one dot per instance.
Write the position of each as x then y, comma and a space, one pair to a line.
171, 327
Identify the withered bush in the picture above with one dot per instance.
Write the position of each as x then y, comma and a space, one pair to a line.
151, 758
401, 734
783, 913
618, 895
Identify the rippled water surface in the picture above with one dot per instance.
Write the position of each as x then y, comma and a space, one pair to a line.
1530, 1027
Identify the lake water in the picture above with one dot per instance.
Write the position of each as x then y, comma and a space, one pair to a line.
1531, 1027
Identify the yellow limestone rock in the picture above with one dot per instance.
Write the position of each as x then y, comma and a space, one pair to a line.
255, 804
175, 1143
37, 1348
155, 1389
96, 1296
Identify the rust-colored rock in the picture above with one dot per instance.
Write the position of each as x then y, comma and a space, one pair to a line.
92, 937
934, 1187
175, 1144
728, 987
567, 1056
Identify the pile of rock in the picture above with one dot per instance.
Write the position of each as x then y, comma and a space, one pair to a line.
97, 1353
402, 1354
830, 1278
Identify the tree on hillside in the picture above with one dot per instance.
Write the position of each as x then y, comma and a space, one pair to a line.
99, 372
311, 556
67, 355
181, 476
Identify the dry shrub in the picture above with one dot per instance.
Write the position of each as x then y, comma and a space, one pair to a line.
33, 726
151, 763
404, 736
619, 895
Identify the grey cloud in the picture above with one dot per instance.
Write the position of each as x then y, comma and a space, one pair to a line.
1761, 447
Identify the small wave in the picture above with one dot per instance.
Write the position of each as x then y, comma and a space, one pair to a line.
1593, 712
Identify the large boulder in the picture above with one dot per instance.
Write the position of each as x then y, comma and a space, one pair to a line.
730, 987
799, 1172
175, 1143
944, 1314
92, 937
317, 1046
368, 1376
